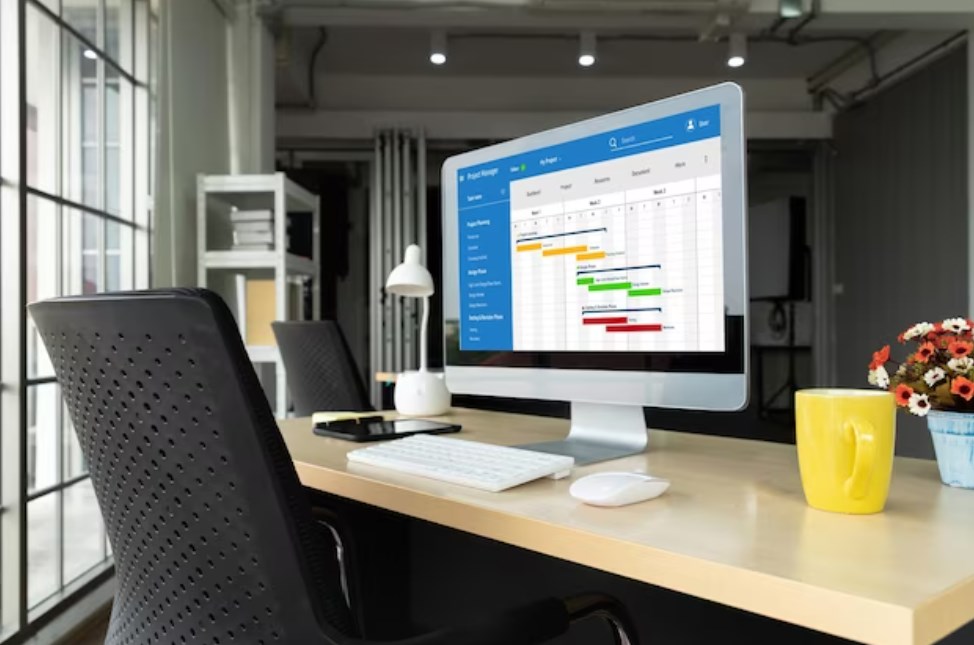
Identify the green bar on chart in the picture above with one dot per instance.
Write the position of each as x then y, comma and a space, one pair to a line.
645, 292
584, 281
609, 286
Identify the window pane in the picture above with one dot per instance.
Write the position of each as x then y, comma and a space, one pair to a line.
81, 123
82, 536
111, 112
43, 101
113, 21
43, 262
83, 16
113, 272
82, 234
119, 141
89, 273
43, 416
42, 548
89, 112
73, 460
112, 235
113, 182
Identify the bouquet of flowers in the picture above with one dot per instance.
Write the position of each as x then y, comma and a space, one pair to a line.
937, 375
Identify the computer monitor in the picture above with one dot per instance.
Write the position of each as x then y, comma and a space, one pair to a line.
603, 263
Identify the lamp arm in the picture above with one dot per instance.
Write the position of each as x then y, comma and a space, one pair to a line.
423, 333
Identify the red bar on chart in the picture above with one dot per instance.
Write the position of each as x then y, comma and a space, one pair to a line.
621, 320
634, 328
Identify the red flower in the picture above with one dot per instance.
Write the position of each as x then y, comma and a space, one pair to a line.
962, 388
925, 352
880, 358
903, 393
960, 348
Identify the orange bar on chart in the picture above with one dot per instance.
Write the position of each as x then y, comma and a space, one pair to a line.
594, 255
530, 247
567, 250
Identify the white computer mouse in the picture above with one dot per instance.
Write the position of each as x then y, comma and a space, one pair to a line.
617, 489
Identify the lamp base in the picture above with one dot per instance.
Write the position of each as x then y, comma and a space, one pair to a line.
421, 394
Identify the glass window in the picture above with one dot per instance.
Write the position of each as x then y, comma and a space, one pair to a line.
42, 548
82, 538
43, 419
43, 274
43, 101
73, 460
82, 15
86, 181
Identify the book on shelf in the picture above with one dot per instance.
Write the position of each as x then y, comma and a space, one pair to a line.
253, 238
260, 307
257, 306
240, 216
253, 227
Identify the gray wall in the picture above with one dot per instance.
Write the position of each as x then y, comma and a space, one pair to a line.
193, 132
901, 219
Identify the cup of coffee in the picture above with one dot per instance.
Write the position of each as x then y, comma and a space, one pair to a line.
845, 448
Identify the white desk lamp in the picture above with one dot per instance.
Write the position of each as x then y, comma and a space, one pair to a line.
421, 393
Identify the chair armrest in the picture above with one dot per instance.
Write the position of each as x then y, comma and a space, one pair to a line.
530, 624
593, 605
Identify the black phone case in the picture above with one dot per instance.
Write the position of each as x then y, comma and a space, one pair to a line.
332, 431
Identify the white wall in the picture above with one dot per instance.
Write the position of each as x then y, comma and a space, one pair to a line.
216, 116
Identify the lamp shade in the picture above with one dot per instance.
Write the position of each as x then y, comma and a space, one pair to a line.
411, 278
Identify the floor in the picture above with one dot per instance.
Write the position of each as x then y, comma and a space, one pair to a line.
92, 635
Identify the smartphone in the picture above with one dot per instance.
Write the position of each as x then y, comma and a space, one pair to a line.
353, 430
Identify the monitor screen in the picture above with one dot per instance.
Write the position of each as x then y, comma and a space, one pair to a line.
606, 243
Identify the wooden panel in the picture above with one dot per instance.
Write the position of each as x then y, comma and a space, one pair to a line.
734, 528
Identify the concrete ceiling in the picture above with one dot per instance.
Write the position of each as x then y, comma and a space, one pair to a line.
387, 50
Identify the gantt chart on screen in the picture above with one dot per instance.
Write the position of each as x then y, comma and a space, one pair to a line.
610, 243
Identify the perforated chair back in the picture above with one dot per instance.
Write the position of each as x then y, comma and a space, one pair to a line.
321, 373
210, 528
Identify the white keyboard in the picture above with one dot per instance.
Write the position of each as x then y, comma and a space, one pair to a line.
468, 463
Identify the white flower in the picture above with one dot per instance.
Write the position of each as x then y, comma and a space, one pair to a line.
901, 370
919, 329
934, 376
961, 365
919, 404
956, 325
879, 377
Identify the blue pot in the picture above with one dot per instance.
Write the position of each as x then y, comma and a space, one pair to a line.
953, 440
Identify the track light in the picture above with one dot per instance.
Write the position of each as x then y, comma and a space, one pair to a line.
736, 49
586, 49
438, 48
790, 8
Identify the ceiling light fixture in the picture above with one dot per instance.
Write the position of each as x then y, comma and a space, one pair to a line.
586, 49
736, 49
790, 8
90, 54
438, 48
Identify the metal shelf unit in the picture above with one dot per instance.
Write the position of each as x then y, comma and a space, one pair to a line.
281, 195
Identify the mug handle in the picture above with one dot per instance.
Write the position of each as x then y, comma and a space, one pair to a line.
862, 433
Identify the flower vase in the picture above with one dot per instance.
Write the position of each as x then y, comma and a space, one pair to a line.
953, 441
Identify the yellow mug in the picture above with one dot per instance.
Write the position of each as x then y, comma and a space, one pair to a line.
845, 448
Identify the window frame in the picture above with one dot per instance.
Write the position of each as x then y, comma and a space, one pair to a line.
130, 74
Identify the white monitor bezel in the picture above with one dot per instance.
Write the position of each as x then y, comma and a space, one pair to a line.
699, 390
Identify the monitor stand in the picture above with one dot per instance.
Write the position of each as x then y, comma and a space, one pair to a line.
600, 432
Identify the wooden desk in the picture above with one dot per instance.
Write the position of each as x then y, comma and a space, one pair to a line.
733, 528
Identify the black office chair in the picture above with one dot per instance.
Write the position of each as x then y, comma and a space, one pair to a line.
212, 533
321, 373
